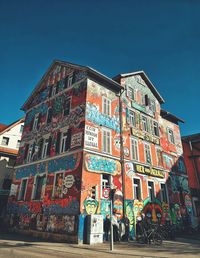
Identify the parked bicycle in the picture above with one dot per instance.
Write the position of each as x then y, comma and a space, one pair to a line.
148, 233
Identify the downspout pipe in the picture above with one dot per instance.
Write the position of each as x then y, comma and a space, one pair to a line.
122, 147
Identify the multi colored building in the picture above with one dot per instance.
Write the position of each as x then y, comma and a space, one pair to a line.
71, 153
191, 152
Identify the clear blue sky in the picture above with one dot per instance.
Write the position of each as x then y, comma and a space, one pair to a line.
161, 37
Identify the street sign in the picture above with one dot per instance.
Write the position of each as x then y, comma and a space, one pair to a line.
106, 193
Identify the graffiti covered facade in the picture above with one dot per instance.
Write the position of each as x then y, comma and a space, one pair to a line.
71, 153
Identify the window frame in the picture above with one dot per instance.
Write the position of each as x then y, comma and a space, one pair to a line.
106, 106
146, 124
166, 193
131, 92
45, 148
154, 193
7, 141
149, 146
136, 147
140, 188
64, 107
132, 118
64, 136
54, 184
35, 124
105, 148
171, 138
154, 128
33, 195
19, 198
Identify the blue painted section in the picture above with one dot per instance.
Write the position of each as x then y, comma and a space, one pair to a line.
56, 209
64, 163
93, 115
81, 227
99, 164
26, 171
13, 208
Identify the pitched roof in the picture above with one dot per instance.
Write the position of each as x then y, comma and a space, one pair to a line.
169, 116
147, 81
8, 127
2, 127
90, 71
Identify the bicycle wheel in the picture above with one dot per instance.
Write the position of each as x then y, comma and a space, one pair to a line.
156, 239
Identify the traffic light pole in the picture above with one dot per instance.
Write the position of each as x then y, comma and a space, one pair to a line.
111, 226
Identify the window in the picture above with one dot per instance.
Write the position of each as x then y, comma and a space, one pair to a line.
106, 106
132, 117
58, 185
67, 106
45, 148
49, 115
134, 149
105, 183
151, 190
39, 187
155, 128
106, 142
163, 193
63, 143
152, 105
54, 89
5, 141
70, 80
35, 122
18, 144
147, 152
159, 157
143, 99
22, 191
131, 93
171, 136
144, 124
94, 192
136, 189
21, 128
29, 154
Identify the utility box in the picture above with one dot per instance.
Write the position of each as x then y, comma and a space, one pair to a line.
94, 229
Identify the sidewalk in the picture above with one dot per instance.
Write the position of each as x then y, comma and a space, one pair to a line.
22, 246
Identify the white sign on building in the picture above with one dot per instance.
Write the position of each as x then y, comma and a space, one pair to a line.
91, 137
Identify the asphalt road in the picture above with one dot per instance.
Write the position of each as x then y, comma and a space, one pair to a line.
18, 246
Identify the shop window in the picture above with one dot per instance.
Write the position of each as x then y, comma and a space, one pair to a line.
134, 149
22, 191
151, 190
106, 141
106, 106
136, 188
